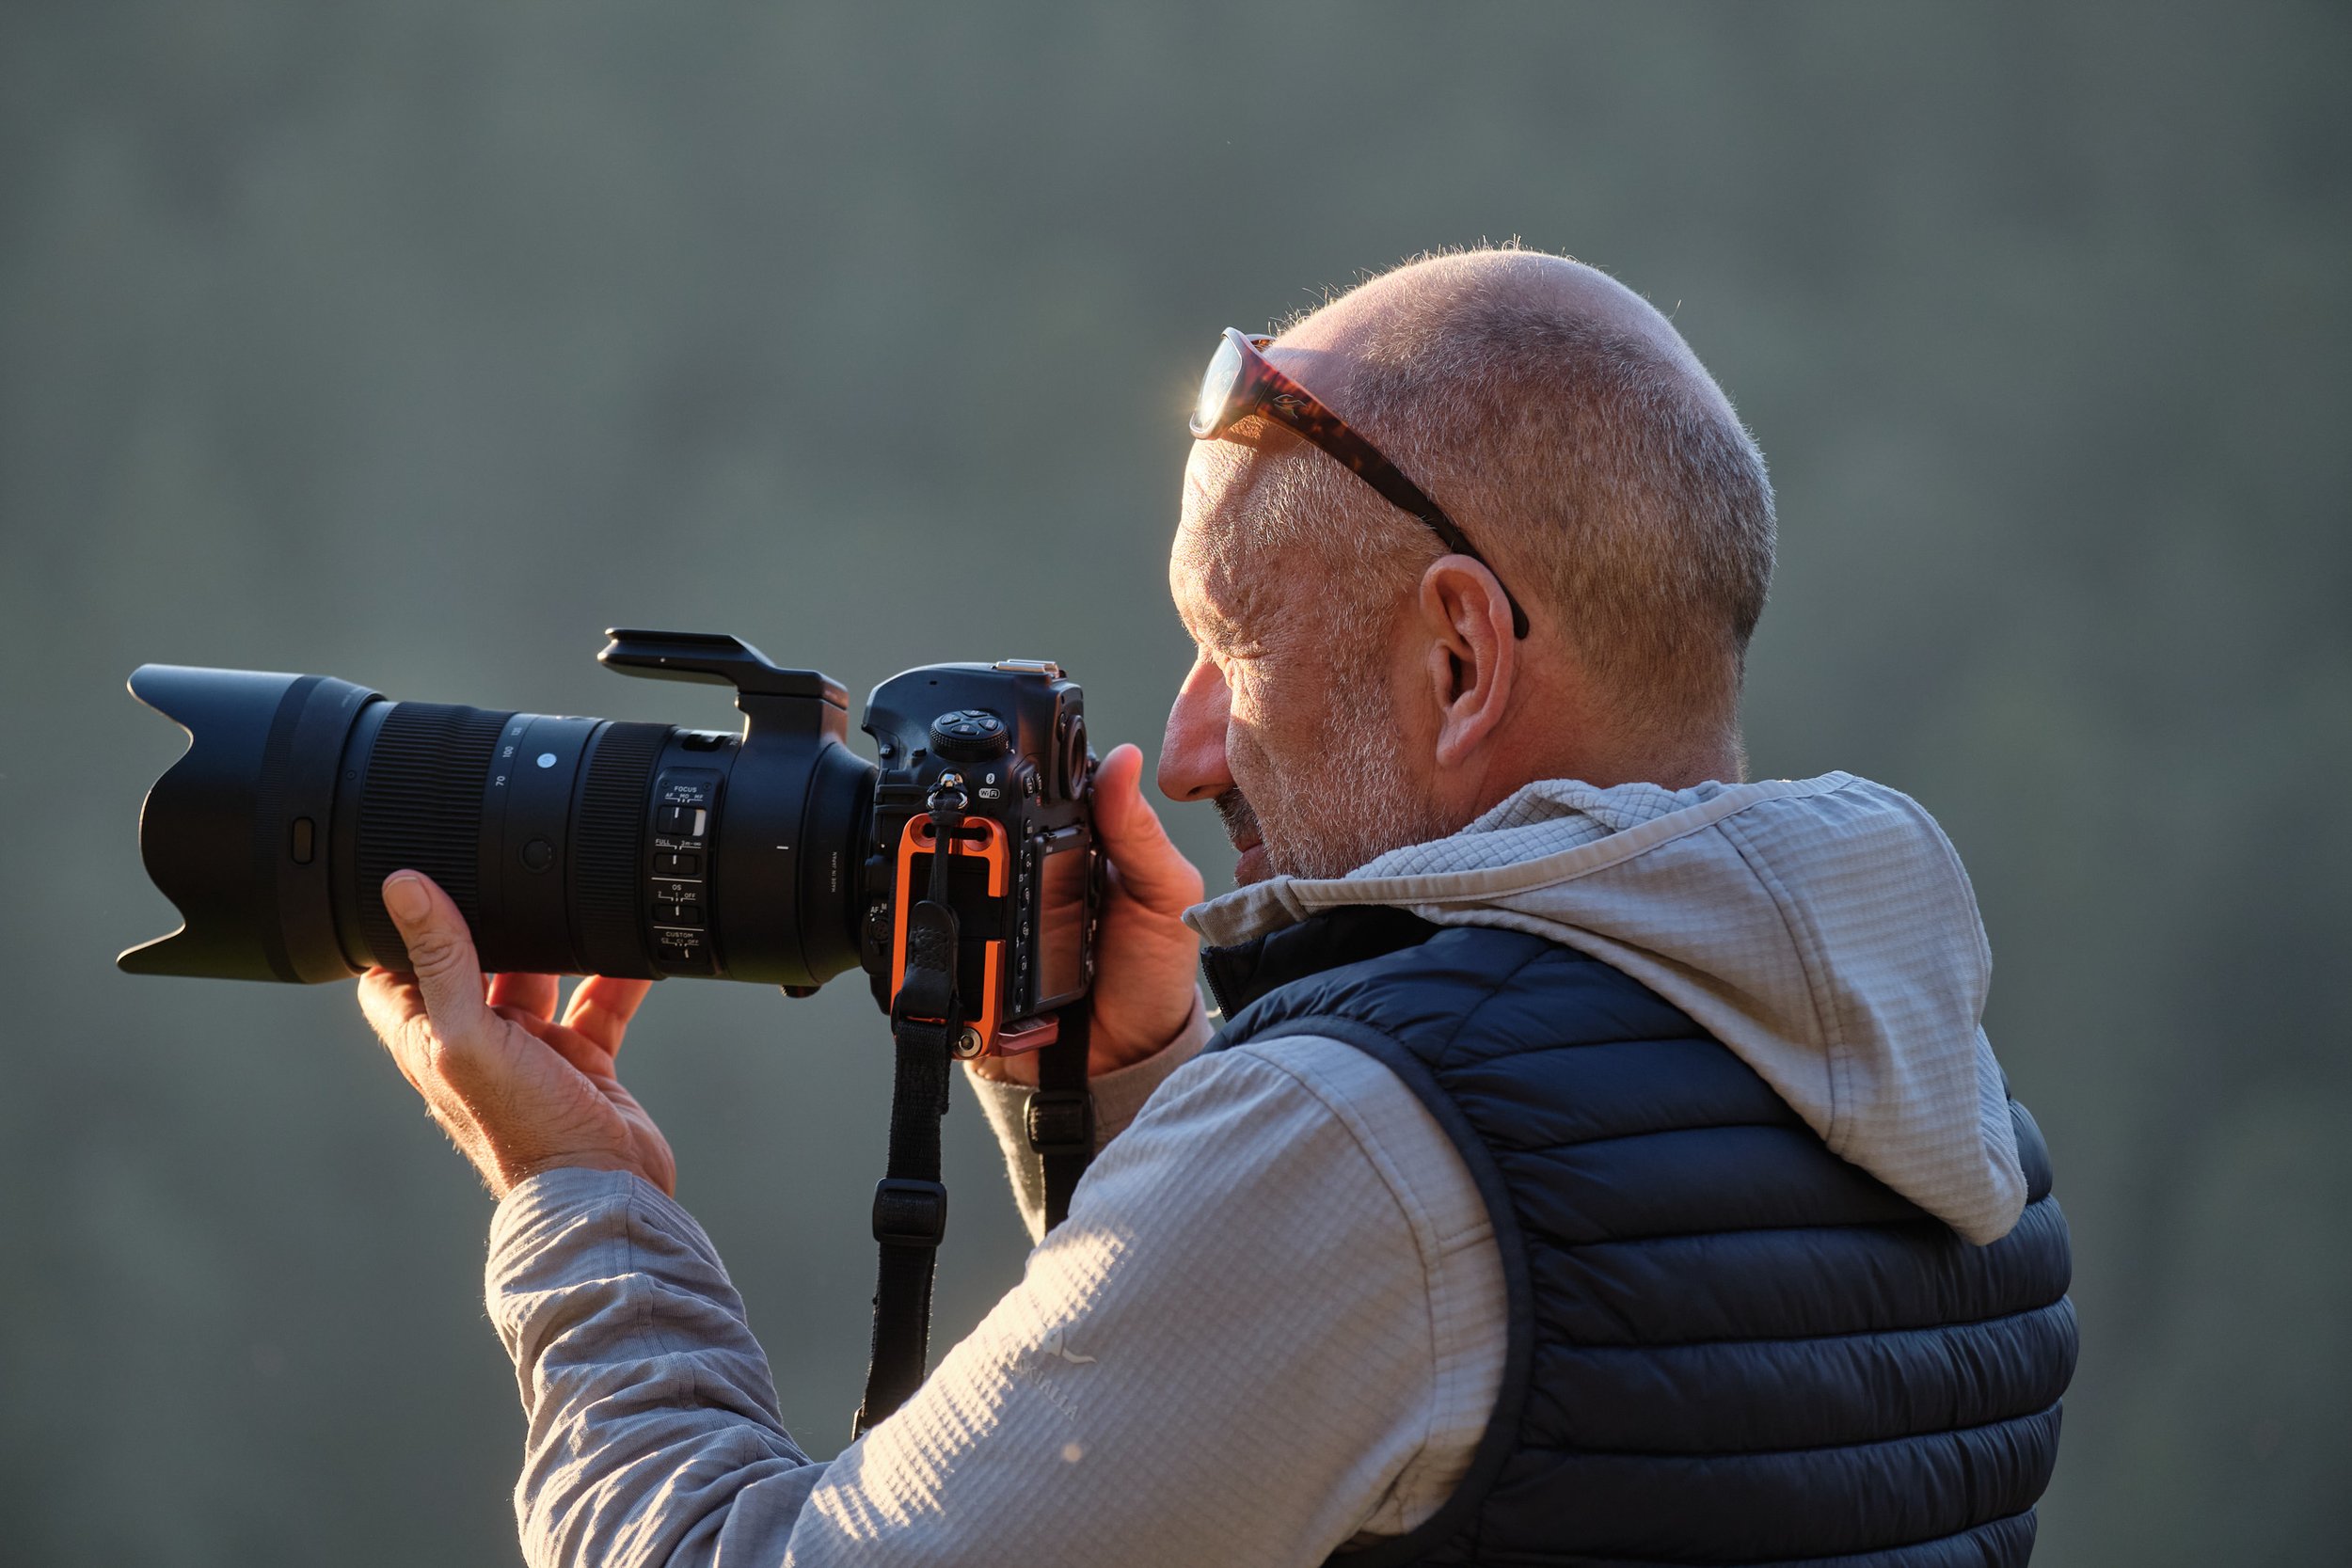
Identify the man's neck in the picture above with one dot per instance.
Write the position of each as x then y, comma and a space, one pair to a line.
1605, 768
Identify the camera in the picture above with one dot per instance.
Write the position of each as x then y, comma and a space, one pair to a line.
601, 847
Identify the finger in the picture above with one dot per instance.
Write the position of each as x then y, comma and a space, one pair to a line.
389, 1000
532, 994
1149, 865
440, 956
392, 1005
602, 1007
592, 1060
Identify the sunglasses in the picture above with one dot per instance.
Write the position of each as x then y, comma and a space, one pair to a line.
1241, 383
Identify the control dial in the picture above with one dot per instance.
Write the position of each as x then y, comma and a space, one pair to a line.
969, 735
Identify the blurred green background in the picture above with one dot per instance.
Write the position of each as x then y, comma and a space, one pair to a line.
417, 343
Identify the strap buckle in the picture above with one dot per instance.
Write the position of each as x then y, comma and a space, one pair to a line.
1060, 1121
910, 1213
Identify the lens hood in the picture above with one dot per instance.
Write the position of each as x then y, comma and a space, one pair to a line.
234, 833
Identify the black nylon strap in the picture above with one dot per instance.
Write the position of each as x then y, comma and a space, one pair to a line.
1060, 1113
910, 1202
911, 1216
910, 1219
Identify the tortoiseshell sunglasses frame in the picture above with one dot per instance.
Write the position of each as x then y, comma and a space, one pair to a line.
1261, 390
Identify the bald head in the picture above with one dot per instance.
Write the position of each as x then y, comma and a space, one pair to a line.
1386, 321
1576, 440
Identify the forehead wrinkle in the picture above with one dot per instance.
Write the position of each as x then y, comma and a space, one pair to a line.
1227, 600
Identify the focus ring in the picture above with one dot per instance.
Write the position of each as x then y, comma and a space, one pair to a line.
421, 811
609, 841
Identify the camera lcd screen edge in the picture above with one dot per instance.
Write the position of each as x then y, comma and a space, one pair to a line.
1061, 922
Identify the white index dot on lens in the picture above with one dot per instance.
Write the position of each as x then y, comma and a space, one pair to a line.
546, 759
1072, 1453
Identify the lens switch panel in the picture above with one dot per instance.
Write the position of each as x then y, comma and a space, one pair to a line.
677, 890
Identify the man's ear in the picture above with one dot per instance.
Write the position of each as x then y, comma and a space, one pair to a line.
1473, 656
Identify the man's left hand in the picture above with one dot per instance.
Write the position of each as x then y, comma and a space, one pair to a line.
517, 1091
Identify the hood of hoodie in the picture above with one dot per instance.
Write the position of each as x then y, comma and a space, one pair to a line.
1821, 928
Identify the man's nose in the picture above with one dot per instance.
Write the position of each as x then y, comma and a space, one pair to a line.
1192, 755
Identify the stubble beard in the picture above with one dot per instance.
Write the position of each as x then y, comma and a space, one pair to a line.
1342, 799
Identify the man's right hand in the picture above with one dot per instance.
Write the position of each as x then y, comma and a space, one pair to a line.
517, 1091
1145, 956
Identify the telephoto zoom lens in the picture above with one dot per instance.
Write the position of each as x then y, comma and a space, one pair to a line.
573, 846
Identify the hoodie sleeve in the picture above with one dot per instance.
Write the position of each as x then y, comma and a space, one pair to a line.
1118, 1095
1242, 1250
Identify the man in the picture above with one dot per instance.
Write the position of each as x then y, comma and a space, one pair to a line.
1601, 1160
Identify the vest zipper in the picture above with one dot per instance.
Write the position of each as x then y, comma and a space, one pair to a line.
1217, 990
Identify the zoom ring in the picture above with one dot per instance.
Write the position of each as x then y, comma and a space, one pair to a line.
421, 811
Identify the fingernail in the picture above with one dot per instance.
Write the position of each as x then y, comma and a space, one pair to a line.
408, 901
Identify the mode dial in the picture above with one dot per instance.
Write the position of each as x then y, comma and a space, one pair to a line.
969, 735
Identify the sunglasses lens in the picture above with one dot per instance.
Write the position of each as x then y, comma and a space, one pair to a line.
1216, 390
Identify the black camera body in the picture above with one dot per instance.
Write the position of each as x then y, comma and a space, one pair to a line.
591, 846
1008, 741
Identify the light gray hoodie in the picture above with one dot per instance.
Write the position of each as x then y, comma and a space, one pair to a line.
1822, 928
1274, 1324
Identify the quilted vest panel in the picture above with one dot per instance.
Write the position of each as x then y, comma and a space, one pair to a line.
1727, 1345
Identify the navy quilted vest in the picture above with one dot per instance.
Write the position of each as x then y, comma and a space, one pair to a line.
1726, 1344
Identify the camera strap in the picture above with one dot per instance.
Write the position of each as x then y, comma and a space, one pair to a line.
911, 1202
1060, 1115
910, 1218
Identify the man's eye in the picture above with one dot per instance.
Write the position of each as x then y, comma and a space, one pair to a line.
1243, 677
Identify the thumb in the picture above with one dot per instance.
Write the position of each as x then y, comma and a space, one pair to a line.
1148, 863
440, 953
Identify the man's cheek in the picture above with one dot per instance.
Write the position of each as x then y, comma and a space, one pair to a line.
1246, 759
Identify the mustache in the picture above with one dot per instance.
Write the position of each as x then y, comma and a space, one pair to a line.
1241, 822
